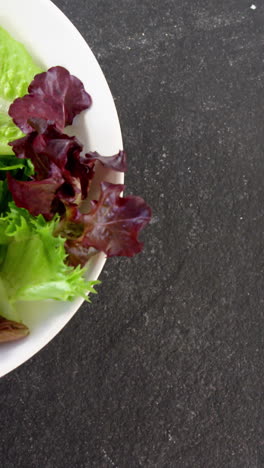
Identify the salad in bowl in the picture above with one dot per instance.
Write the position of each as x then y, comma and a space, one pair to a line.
62, 209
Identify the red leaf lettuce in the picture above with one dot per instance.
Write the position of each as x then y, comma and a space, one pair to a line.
55, 96
111, 226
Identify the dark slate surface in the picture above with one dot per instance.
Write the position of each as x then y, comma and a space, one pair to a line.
165, 369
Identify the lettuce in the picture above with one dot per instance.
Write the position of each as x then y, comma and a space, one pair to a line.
12, 331
55, 96
112, 225
61, 174
17, 69
46, 236
11, 163
32, 263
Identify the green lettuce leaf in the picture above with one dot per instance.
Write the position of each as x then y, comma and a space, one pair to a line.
21, 169
32, 263
5, 196
17, 69
8, 132
12, 163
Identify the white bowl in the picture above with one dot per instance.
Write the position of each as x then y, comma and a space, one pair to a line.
53, 40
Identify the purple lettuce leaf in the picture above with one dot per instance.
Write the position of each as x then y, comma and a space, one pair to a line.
37, 196
111, 226
55, 96
53, 152
118, 162
12, 331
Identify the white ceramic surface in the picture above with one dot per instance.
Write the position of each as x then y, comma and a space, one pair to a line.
53, 40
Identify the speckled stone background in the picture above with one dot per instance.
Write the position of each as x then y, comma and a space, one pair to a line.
165, 369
